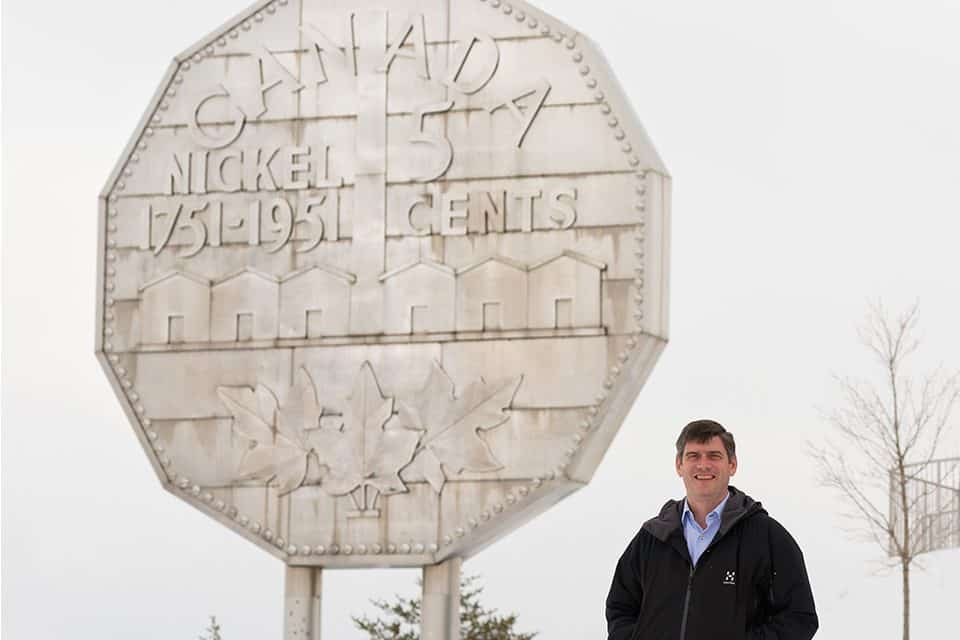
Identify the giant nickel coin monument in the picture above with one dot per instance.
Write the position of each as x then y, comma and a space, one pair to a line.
379, 281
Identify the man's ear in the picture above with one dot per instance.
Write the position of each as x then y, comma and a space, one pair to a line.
733, 465
677, 466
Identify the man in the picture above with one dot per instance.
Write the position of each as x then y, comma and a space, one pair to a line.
714, 566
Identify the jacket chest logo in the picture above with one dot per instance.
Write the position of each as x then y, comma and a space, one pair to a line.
730, 577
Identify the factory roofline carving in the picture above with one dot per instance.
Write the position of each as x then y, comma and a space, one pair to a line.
171, 274
240, 272
442, 268
343, 275
352, 279
510, 262
569, 254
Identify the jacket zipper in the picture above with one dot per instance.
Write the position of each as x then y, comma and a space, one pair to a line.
686, 598
686, 603
693, 567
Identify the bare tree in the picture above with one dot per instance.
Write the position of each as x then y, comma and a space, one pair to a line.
889, 432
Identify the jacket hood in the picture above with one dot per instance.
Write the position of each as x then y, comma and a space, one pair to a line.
738, 507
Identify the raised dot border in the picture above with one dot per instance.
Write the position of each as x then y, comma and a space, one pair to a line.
514, 496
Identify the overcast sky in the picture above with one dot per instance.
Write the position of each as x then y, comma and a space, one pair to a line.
815, 150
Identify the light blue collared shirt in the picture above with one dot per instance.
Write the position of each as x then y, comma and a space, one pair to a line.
699, 539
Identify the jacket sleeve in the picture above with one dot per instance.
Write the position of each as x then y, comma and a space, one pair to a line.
790, 612
626, 595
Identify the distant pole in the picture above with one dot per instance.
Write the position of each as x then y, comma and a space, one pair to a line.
440, 613
301, 603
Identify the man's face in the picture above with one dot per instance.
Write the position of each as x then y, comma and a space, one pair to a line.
706, 469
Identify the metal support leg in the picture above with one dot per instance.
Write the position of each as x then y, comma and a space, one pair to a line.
301, 603
440, 614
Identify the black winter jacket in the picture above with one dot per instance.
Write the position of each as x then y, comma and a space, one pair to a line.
749, 584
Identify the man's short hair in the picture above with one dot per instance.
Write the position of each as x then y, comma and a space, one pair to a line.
703, 431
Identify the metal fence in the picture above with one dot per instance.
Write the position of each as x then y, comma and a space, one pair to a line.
933, 505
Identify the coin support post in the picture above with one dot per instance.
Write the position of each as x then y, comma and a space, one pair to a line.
301, 603
440, 611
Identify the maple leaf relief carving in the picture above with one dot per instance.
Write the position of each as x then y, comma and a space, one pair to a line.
452, 424
363, 452
350, 448
290, 446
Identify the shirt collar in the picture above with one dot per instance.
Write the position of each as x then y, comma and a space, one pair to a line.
717, 511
